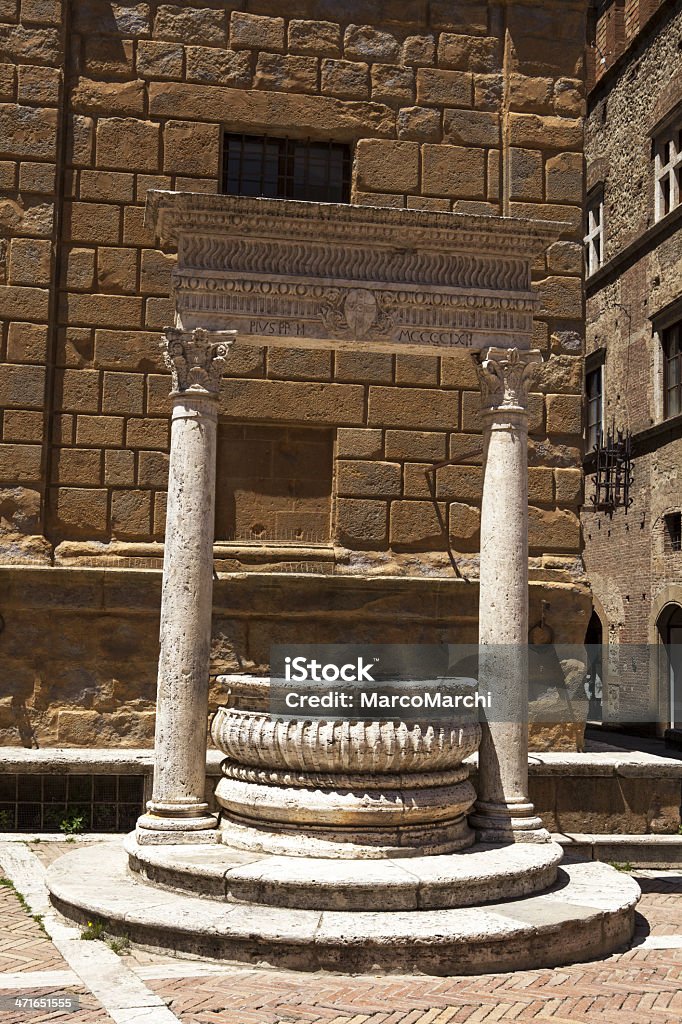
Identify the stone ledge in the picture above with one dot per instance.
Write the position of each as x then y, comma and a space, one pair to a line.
650, 851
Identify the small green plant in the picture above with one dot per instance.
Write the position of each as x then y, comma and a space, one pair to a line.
72, 825
120, 945
94, 930
621, 865
6, 821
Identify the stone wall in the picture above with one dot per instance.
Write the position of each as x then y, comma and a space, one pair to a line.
633, 571
462, 106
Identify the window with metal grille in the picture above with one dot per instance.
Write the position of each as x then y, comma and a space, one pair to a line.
672, 377
673, 525
256, 165
595, 406
40, 803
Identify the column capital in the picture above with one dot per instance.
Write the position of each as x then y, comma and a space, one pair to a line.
196, 358
505, 375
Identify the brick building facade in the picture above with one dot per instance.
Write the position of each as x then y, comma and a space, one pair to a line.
634, 308
327, 527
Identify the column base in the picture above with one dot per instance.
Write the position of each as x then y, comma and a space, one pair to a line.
507, 823
159, 830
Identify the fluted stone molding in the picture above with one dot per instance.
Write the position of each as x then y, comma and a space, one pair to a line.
178, 810
503, 811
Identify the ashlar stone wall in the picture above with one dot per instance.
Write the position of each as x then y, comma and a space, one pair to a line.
464, 105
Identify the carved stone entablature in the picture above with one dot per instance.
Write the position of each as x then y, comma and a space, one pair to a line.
336, 276
196, 358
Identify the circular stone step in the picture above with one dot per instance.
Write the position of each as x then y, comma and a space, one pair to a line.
589, 913
479, 875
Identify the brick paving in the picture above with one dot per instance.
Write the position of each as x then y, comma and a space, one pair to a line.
641, 986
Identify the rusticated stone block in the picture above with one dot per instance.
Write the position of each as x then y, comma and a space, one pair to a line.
26, 343
569, 97
453, 171
191, 25
191, 148
77, 466
218, 67
127, 143
560, 297
39, 85
147, 433
419, 50
102, 310
30, 261
155, 272
364, 42
417, 370
293, 401
531, 93
422, 444
464, 522
463, 483
357, 479
392, 83
92, 222
80, 139
526, 174
82, 511
18, 302
244, 108
130, 513
420, 408
153, 469
471, 127
108, 57
369, 367
100, 431
280, 71
469, 53
466, 16
107, 98
20, 463
488, 92
28, 131
565, 258
110, 186
298, 364
564, 178
251, 32
156, 59
117, 270
135, 231
319, 38
112, 18
444, 88
564, 414
22, 45
77, 390
123, 393
41, 12
119, 468
568, 485
384, 166
541, 485
420, 123
417, 477
22, 387
459, 372
552, 530
415, 525
561, 373
467, 448
128, 350
345, 78
570, 215
535, 132
20, 425
360, 523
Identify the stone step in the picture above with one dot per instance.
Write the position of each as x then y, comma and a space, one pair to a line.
648, 851
481, 874
588, 913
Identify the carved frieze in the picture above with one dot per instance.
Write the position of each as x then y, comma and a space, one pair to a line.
322, 275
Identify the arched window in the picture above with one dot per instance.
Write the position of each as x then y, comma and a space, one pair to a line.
670, 630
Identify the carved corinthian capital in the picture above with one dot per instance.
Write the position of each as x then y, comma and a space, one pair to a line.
505, 375
196, 358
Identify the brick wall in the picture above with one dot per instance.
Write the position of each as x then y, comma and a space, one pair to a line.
631, 569
463, 106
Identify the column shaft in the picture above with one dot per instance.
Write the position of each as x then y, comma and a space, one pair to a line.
178, 803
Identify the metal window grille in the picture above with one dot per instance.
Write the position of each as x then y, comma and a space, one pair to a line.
40, 803
672, 367
595, 407
256, 165
673, 524
613, 478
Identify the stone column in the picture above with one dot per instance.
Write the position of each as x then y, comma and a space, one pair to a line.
503, 813
178, 811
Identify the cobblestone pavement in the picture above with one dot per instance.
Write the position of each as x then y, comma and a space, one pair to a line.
641, 986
